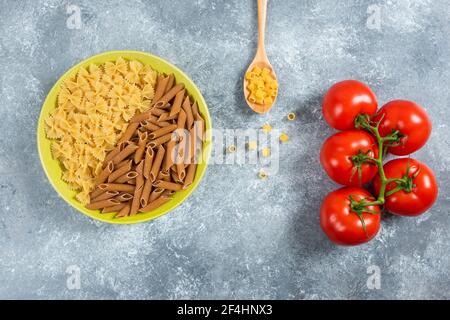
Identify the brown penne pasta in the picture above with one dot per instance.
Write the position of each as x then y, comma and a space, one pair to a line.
175, 178
162, 131
150, 126
164, 123
165, 108
115, 208
134, 209
116, 187
161, 123
155, 204
181, 149
114, 152
141, 117
163, 175
156, 165
121, 164
102, 204
189, 117
161, 85
190, 157
145, 193
132, 127
156, 193
195, 109
138, 155
167, 185
126, 177
95, 193
168, 193
132, 181
176, 107
157, 112
169, 95
200, 128
169, 157
167, 117
181, 120
120, 172
134, 141
170, 83
148, 162
190, 174
135, 204
161, 140
124, 197
179, 160
181, 172
129, 149
140, 176
151, 117
105, 173
105, 195
124, 211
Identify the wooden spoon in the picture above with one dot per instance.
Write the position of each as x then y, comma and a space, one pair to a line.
260, 59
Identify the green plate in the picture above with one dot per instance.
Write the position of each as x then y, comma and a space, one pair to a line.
53, 168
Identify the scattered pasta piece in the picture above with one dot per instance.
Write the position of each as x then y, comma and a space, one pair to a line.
291, 116
265, 152
231, 149
252, 145
92, 111
262, 86
266, 128
284, 137
263, 174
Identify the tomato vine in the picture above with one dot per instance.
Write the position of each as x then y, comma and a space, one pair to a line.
405, 183
363, 121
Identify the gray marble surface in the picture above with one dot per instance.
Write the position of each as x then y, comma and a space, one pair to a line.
236, 236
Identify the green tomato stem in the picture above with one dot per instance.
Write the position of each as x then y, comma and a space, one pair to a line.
364, 122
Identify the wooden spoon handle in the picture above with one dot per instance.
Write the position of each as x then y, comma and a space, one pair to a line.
262, 13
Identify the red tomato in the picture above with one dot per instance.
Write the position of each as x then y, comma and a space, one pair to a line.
345, 100
410, 119
424, 188
337, 152
341, 224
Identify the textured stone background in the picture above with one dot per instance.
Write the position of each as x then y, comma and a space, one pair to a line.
236, 237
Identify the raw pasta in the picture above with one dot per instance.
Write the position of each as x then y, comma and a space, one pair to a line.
262, 86
155, 156
92, 114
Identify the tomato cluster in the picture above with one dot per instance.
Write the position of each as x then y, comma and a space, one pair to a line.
354, 158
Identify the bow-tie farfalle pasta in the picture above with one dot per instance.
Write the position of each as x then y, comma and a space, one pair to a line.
93, 111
